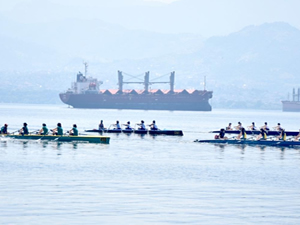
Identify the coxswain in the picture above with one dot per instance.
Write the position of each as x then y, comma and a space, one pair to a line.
297, 137
238, 127
101, 125
44, 130
262, 135
24, 130
4, 129
128, 127
252, 126
74, 130
242, 134
229, 127
153, 126
117, 125
282, 134
265, 127
58, 130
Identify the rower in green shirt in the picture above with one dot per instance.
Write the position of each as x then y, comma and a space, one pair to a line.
24, 130
58, 130
44, 130
74, 131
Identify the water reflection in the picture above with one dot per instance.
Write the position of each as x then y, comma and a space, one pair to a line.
75, 145
25, 144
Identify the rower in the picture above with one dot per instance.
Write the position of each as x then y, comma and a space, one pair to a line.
128, 127
278, 127
74, 131
117, 125
262, 135
4, 129
101, 125
242, 134
229, 127
238, 127
142, 125
58, 130
298, 136
282, 135
265, 127
252, 126
222, 134
153, 126
44, 130
24, 129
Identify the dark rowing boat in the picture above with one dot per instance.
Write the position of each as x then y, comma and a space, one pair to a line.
256, 132
152, 132
253, 142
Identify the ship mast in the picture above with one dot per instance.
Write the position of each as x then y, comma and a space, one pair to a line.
85, 68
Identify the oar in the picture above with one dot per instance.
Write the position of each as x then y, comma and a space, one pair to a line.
33, 131
15, 131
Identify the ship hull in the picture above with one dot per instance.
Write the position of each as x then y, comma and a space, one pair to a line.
140, 101
291, 106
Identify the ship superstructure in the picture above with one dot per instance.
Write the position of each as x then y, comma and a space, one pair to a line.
294, 105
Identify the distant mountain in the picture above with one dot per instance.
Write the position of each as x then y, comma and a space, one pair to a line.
88, 39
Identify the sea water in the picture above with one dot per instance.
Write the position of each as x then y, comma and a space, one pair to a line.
146, 179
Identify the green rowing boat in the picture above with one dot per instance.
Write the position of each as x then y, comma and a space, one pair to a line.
64, 138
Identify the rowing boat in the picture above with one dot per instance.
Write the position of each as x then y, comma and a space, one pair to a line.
138, 131
256, 132
64, 138
166, 132
252, 142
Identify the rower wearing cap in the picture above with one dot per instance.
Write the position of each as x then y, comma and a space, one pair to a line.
74, 130
24, 130
142, 125
4, 129
262, 135
128, 127
229, 127
153, 126
58, 130
44, 130
252, 126
117, 125
101, 125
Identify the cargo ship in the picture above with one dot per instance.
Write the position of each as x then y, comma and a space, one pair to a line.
294, 105
86, 93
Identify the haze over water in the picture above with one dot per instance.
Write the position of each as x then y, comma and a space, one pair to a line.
145, 179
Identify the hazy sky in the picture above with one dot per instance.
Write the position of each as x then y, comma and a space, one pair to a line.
207, 18
10, 4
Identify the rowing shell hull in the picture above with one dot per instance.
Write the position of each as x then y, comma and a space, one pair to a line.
249, 142
152, 132
91, 139
256, 132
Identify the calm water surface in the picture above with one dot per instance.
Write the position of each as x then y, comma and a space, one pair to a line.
144, 179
